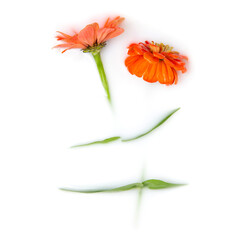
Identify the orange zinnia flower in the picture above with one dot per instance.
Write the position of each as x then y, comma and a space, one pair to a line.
91, 38
155, 62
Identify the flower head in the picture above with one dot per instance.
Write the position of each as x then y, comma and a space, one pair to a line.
91, 38
155, 62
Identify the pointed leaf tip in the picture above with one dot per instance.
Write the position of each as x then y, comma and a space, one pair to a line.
156, 126
159, 184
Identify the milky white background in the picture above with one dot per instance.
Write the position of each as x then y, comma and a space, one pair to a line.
50, 101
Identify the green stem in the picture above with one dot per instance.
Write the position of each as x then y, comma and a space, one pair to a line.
140, 192
102, 74
139, 200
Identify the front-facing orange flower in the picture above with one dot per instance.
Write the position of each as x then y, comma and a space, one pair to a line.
92, 39
155, 62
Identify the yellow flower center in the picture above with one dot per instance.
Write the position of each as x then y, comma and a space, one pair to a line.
156, 47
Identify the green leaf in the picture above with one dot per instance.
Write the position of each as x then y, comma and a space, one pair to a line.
156, 126
112, 139
126, 187
107, 140
118, 189
159, 184
151, 184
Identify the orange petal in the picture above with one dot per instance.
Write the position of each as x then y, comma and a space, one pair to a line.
106, 23
184, 70
159, 74
139, 50
175, 76
102, 33
68, 39
95, 27
74, 46
73, 39
183, 57
135, 49
165, 73
87, 36
64, 34
131, 52
113, 34
149, 57
177, 65
149, 74
114, 23
62, 45
178, 62
133, 67
158, 55
131, 59
168, 62
140, 67
177, 56
170, 75
132, 45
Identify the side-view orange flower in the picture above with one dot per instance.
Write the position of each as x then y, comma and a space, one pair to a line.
155, 62
91, 38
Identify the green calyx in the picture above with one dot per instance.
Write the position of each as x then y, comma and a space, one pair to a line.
95, 49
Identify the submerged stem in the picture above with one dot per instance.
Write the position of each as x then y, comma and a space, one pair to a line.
102, 74
139, 200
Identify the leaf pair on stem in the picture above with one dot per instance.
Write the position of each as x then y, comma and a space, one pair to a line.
150, 184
